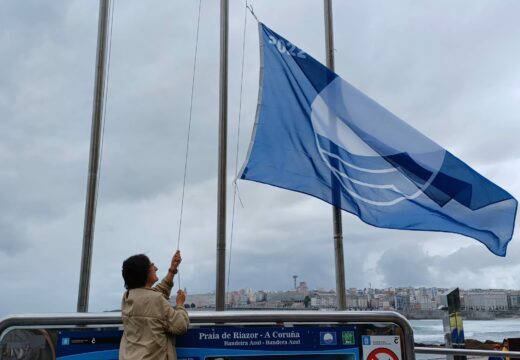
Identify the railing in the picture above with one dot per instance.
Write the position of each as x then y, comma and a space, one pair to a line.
248, 317
467, 352
227, 317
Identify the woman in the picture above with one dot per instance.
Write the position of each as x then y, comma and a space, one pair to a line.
149, 321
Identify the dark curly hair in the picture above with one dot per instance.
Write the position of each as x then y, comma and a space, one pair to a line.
135, 271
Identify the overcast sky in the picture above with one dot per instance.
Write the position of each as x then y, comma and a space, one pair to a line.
449, 68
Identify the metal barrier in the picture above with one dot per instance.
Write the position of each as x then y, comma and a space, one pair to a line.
468, 352
216, 319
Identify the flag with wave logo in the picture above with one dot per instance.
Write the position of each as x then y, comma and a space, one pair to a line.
316, 134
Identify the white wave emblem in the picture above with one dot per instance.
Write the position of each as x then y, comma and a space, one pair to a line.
360, 168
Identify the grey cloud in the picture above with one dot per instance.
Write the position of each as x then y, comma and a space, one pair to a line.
405, 266
454, 67
12, 236
413, 266
477, 260
148, 105
311, 265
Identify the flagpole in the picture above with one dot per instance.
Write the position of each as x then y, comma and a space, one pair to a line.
220, 292
336, 212
95, 146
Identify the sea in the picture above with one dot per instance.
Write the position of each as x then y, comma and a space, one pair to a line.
431, 331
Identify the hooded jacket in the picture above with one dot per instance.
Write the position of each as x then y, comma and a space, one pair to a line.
150, 323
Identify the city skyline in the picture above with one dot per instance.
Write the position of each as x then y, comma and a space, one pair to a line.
414, 303
367, 288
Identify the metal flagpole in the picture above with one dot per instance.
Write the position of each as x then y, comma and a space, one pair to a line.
222, 159
95, 144
336, 212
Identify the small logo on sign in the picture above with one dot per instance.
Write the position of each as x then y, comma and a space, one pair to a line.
347, 338
65, 341
366, 340
328, 338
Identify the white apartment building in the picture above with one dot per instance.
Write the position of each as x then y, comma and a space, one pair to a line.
324, 300
200, 300
485, 301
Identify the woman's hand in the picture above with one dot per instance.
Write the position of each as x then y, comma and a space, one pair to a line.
181, 297
176, 260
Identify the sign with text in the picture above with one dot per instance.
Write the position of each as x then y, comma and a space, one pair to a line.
275, 342
89, 344
226, 342
381, 347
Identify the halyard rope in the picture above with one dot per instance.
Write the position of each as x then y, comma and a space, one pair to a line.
189, 133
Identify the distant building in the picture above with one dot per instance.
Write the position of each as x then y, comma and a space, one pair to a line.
513, 300
302, 288
426, 302
200, 300
357, 302
233, 298
284, 296
485, 300
260, 296
402, 301
324, 300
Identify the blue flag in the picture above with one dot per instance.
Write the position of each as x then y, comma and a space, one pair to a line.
317, 134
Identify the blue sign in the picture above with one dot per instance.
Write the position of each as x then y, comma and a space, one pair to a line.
91, 345
226, 342
267, 343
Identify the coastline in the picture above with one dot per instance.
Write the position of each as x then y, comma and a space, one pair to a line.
483, 335
471, 344
466, 315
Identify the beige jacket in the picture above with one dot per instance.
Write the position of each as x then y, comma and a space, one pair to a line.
150, 323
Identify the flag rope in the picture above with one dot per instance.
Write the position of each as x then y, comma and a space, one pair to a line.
235, 185
250, 8
189, 133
